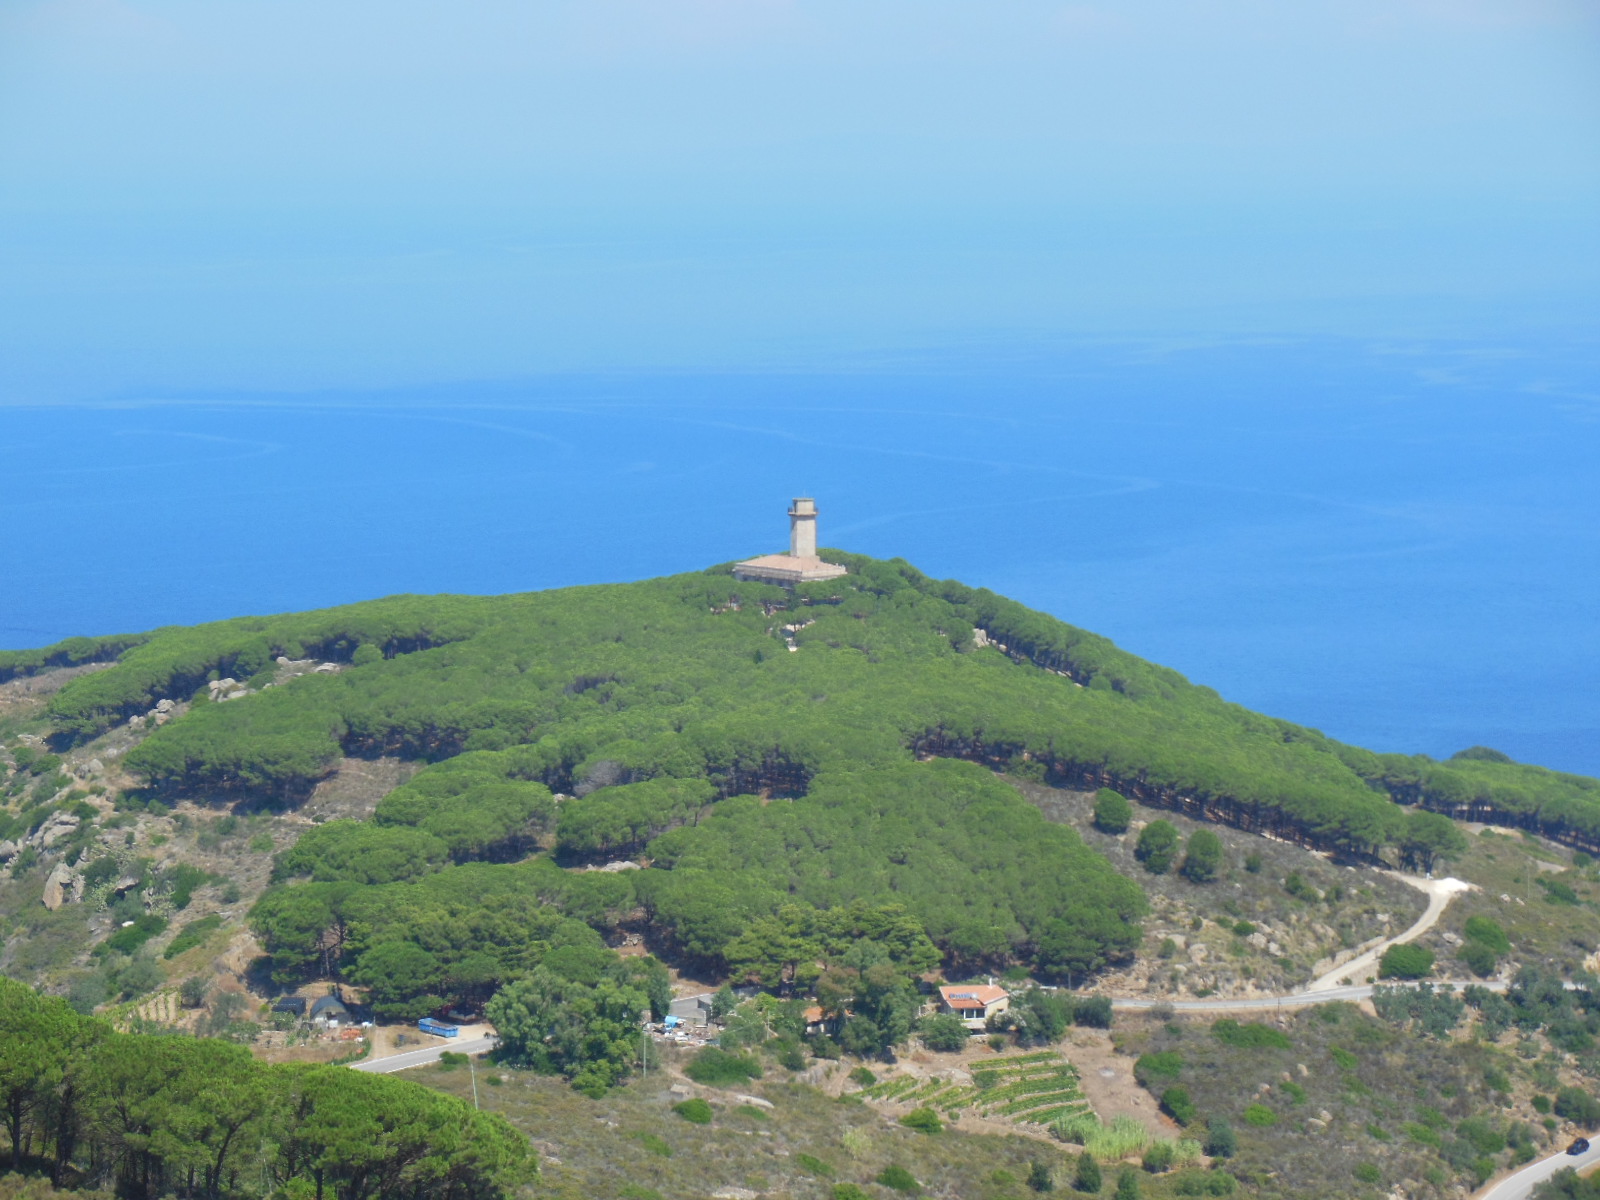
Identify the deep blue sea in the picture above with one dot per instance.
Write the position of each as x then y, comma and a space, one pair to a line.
1396, 542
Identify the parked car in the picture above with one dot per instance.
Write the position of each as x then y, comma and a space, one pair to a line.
1579, 1146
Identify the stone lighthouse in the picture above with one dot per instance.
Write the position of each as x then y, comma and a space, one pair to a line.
801, 564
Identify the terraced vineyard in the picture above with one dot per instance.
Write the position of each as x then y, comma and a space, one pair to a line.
1033, 1089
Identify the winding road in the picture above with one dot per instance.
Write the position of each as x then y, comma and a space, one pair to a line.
421, 1058
1520, 1186
1326, 989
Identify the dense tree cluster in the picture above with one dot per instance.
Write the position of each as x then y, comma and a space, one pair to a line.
174, 1116
578, 1013
798, 815
684, 678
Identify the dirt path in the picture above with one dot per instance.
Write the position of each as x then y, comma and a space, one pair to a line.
1439, 892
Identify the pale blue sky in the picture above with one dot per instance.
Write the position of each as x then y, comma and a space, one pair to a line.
232, 193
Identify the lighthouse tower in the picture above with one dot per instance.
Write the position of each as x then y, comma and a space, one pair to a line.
801, 564
803, 528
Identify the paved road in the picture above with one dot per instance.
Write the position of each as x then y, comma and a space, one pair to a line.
1520, 1186
421, 1058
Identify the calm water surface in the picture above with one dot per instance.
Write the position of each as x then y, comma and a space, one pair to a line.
1397, 543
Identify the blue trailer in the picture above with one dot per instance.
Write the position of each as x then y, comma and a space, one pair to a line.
437, 1028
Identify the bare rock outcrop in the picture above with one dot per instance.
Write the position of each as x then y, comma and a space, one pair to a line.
61, 887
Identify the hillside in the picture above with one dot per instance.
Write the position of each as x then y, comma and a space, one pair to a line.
559, 808
658, 722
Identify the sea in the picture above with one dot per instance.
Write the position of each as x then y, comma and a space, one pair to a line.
1394, 541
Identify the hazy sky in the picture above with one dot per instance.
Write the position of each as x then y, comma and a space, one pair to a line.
209, 193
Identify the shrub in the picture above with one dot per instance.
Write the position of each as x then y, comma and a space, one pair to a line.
192, 935
1220, 1141
1177, 1104
656, 1145
897, 1178
1039, 1177
1260, 1116
1405, 962
1159, 1064
944, 1032
1541, 1103
1249, 1036
695, 1111
815, 1165
1202, 857
449, 1060
1367, 1172
1206, 1183
1087, 1178
1127, 1186
1093, 1012
716, 1067
1157, 846
192, 993
1243, 928
923, 1120
1158, 1158
1557, 892
863, 1076
1344, 1058
1487, 932
127, 941
1478, 959
1112, 812
1252, 862
848, 1191
1297, 887
1422, 1135
1575, 1104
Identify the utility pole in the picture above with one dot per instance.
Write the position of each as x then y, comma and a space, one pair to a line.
473, 1071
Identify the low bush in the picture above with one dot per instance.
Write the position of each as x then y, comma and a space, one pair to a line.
1205, 1183
1220, 1140
129, 939
923, 1120
1177, 1104
695, 1111
1158, 1158
815, 1165
1260, 1116
897, 1178
655, 1144
1488, 933
1405, 962
1249, 1036
1576, 1105
1160, 1064
716, 1067
1093, 1012
944, 1032
191, 935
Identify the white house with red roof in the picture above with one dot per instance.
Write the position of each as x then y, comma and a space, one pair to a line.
974, 1003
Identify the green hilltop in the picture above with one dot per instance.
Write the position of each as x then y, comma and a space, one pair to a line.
803, 773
